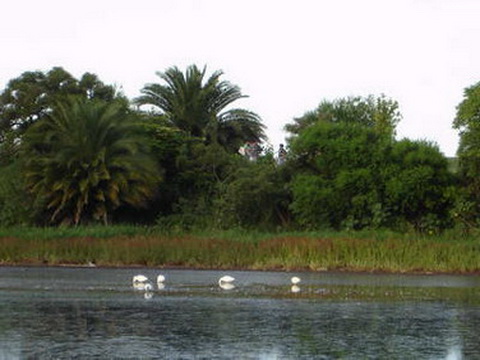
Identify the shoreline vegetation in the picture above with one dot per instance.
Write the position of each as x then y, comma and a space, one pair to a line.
133, 246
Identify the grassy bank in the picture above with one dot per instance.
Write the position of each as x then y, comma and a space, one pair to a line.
352, 251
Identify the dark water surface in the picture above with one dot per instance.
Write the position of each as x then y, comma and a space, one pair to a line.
93, 313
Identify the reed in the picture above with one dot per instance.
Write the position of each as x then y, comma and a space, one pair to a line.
141, 246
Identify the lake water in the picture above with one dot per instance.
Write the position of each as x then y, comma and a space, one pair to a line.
94, 313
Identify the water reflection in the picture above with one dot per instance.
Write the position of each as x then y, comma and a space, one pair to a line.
295, 289
103, 317
226, 286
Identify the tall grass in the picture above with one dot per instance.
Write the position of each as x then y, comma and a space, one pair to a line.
130, 245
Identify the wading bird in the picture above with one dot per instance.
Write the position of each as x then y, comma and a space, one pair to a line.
226, 279
139, 279
295, 280
225, 282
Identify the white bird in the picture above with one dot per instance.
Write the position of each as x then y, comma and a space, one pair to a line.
139, 279
225, 282
141, 282
226, 279
295, 280
160, 278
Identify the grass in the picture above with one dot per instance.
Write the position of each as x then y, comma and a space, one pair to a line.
240, 249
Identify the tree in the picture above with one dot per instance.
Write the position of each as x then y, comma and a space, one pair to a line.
418, 187
351, 173
337, 179
15, 204
199, 107
32, 95
378, 113
338, 150
467, 122
87, 158
255, 195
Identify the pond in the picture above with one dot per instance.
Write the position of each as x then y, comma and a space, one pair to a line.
64, 313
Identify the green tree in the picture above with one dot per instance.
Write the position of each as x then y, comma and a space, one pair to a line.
199, 107
350, 173
337, 177
379, 113
418, 186
15, 203
193, 174
87, 158
32, 95
255, 195
467, 122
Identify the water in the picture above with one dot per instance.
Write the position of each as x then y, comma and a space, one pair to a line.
64, 313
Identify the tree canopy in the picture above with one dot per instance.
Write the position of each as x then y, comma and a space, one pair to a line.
349, 173
32, 95
86, 158
200, 107
76, 151
379, 113
467, 122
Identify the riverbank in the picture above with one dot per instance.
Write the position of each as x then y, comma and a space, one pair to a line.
320, 251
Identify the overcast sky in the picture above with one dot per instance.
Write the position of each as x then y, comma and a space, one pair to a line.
286, 55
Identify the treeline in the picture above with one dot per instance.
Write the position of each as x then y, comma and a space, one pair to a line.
77, 151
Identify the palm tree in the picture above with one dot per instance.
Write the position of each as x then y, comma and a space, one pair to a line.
86, 159
198, 107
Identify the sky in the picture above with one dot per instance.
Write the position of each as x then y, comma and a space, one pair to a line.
287, 56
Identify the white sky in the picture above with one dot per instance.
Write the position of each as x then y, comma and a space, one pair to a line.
286, 55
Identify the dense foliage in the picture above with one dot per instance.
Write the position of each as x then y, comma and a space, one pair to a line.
77, 151
467, 121
30, 97
85, 159
198, 107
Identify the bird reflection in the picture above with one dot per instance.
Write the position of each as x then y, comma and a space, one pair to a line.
295, 289
226, 286
143, 286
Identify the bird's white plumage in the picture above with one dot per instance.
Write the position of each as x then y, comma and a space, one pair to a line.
295, 280
226, 279
160, 278
139, 279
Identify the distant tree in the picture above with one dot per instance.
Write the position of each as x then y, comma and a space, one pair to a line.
350, 173
85, 159
467, 122
419, 188
32, 95
15, 204
378, 113
337, 176
256, 194
198, 106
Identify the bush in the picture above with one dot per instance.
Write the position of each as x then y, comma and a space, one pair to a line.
15, 205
